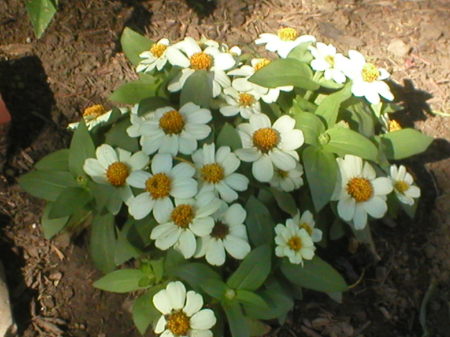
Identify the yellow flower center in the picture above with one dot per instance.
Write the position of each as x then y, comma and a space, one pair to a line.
295, 243
117, 173
370, 72
401, 186
158, 49
201, 61
306, 227
265, 139
212, 173
178, 323
360, 189
172, 122
281, 173
93, 112
158, 186
182, 215
330, 60
246, 100
394, 125
287, 34
220, 231
261, 64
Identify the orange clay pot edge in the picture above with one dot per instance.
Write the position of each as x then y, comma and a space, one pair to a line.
5, 116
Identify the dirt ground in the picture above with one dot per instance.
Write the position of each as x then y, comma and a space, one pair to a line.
46, 83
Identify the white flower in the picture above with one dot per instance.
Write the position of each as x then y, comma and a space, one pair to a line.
229, 233
113, 166
95, 115
360, 192
403, 183
284, 41
217, 172
327, 60
306, 221
137, 121
240, 100
268, 146
293, 242
156, 57
164, 182
182, 313
188, 55
172, 131
288, 181
188, 219
367, 78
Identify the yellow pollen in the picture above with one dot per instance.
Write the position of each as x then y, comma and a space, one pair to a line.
93, 112
246, 100
182, 215
370, 72
220, 231
287, 34
158, 186
261, 64
212, 173
295, 243
201, 61
306, 227
172, 122
330, 60
360, 189
178, 323
158, 49
394, 125
401, 186
117, 173
265, 139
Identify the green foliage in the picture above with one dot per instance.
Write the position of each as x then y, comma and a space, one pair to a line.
56, 161
41, 12
135, 91
46, 184
228, 136
81, 148
311, 126
69, 201
236, 319
259, 222
133, 44
121, 281
329, 107
102, 242
197, 89
404, 143
51, 227
144, 312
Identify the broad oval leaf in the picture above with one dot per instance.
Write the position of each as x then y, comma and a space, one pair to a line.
214, 287
285, 201
135, 91
46, 184
228, 136
51, 227
236, 319
195, 273
330, 105
56, 161
133, 44
81, 148
69, 201
197, 89
102, 242
259, 222
144, 312
311, 126
404, 143
117, 136
41, 13
249, 297
120, 281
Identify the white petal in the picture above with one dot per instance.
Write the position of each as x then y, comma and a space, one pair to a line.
226, 193
346, 208
382, 186
161, 162
237, 181
201, 333
177, 58
138, 160
248, 154
162, 209
183, 188
106, 155
360, 217
235, 215
215, 253
376, 207
138, 179
176, 292
183, 170
202, 226
140, 206
236, 247
194, 302
282, 160
95, 169
161, 325
203, 320
161, 302
262, 169
284, 124
187, 244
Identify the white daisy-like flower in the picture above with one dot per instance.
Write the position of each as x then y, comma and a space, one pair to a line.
217, 172
182, 313
135, 129
164, 182
293, 242
113, 166
240, 101
171, 131
188, 219
360, 192
288, 181
327, 60
284, 41
188, 55
229, 234
403, 183
95, 115
306, 221
268, 146
154, 58
368, 80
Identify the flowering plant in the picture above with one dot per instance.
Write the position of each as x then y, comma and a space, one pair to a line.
229, 175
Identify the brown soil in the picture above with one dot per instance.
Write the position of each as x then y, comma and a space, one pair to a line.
78, 62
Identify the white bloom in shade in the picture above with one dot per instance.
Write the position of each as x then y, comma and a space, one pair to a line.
306, 221
182, 313
293, 242
217, 172
229, 234
172, 131
113, 166
164, 182
188, 55
360, 192
95, 115
288, 181
268, 146
240, 101
367, 78
284, 41
188, 219
154, 58
327, 60
403, 183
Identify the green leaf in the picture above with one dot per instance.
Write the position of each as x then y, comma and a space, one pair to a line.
135, 91
102, 242
321, 172
228, 136
311, 126
344, 141
56, 161
46, 184
40, 13
316, 274
361, 115
144, 312
253, 270
117, 136
214, 287
283, 72
249, 297
259, 222
150, 104
124, 250
81, 148
51, 227
330, 105
301, 53
257, 328
133, 44
120, 281
285, 201
69, 201
195, 273
236, 320
404, 143
197, 89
